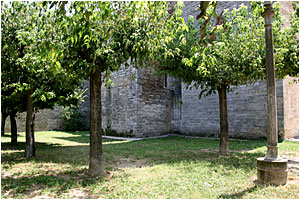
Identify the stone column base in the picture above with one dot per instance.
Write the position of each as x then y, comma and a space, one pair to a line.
273, 172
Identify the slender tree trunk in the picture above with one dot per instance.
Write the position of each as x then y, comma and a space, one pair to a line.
224, 144
30, 144
14, 130
96, 160
3, 118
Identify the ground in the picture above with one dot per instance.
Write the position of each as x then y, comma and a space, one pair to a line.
172, 167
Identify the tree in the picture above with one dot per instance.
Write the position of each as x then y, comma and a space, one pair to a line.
30, 70
11, 104
217, 57
99, 37
11, 100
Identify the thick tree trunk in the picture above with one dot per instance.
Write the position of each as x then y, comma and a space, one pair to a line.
13, 125
3, 118
30, 143
224, 144
96, 160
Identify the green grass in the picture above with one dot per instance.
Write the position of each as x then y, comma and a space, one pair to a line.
172, 167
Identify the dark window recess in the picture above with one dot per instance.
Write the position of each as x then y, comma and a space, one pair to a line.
166, 81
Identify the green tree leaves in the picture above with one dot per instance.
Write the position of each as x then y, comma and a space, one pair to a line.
28, 56
231, 52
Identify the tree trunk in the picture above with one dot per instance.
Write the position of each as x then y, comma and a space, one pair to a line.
30, 144
96, 160
3, 118
224, 144
14, 131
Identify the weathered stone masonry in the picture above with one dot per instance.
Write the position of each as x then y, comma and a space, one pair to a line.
139, 106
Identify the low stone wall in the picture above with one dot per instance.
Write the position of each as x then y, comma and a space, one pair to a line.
45, 120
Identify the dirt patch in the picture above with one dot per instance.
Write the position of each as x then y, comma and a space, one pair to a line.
65, 176
79, 194
42, 197
5, 175
217, 150
131, 163
7, 193
34, 191
292, 181
293, 164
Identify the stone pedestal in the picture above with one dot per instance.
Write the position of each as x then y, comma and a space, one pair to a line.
273, 172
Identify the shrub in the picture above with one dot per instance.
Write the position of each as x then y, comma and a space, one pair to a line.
73, 119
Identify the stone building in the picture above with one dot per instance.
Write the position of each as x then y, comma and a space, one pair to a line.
142, 104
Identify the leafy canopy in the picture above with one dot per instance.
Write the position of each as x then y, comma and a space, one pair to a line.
231, 53
28, 60
103, 35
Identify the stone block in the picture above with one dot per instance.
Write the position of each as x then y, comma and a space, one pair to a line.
273, 172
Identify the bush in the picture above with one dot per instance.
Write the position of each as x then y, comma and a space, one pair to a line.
110, 132
73, 120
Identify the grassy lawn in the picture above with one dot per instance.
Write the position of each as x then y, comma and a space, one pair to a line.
172, 167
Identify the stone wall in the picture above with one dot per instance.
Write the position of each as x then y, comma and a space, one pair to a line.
247, 112
174, 86
137, 104
192, 7
291, 108
45, 120
154, 106
119, 102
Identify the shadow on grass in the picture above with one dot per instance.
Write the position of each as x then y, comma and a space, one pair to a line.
158, 151
238, 195
21, 145
170, 151
45, 152
60, 182
79, 139
6, 135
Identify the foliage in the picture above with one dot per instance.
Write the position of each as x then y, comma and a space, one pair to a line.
235, 55
108, 34
73, 119
12, 98
110, 132
172, 167
27, 59
291, 54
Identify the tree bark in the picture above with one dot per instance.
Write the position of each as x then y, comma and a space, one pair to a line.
96, 160
30, 143
14, 130
3, 118
224, 144
272, 148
